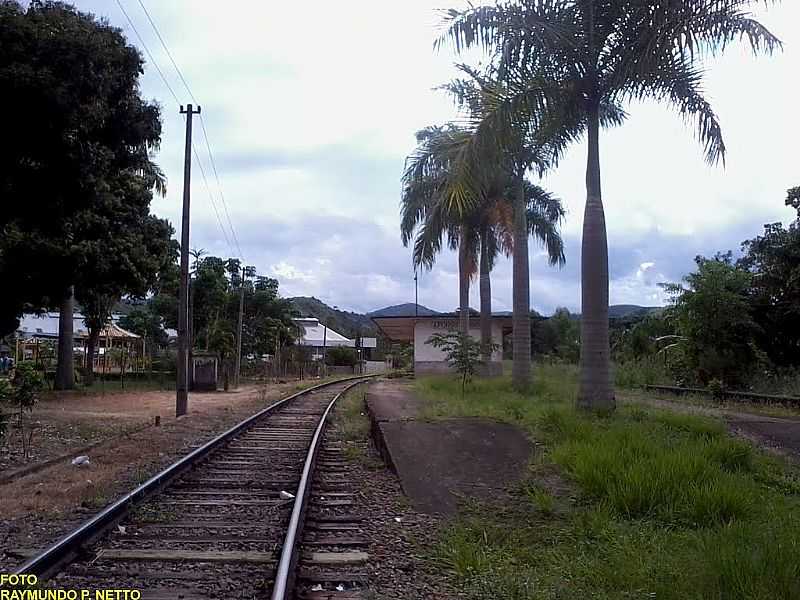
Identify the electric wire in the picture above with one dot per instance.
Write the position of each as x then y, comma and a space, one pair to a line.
202, 124
147, 50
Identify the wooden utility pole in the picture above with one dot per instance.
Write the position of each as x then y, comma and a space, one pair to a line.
246, 272
182, 398
324, 349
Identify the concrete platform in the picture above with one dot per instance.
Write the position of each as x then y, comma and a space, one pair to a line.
440, 462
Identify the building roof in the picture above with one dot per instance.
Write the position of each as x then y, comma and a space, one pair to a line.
316, 334
46, 326
401, 328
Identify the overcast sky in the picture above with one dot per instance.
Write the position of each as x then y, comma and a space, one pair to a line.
311, 110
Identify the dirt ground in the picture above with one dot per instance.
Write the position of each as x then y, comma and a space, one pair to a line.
37, 508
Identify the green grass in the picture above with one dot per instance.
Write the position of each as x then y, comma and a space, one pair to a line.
353, 428
662, 504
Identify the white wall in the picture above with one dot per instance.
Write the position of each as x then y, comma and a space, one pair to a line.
424, 329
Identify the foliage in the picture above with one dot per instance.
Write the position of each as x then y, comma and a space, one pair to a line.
668, 505
793, 199
341, 356
87, 163
773, 260
714, 316
558, 337
479, 201
26, 384
401, 355
567, 68
462, 352
22, 394
144, 322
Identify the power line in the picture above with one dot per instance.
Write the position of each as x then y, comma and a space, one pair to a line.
203, 126
211, 197
166, 49
219, 186
150, 54
205, 134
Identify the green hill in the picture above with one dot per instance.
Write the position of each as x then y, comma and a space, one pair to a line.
347, 323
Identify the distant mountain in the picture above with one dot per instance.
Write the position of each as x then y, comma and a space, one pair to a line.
624, 311
347, 323
351, 324
403, 310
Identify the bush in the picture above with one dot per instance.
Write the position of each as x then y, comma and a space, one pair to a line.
645, 371
341, 356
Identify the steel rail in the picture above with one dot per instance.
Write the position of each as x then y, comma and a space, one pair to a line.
284, 576
71, 544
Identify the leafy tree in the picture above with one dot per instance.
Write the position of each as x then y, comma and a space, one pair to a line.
712, 313
210, 289
793, 199
773, 260
267, 324
561, 61
79, 144
640, 337
222, 340
558, 336
143, 321
121, 256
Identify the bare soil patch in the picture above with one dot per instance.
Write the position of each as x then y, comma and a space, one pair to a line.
36, 509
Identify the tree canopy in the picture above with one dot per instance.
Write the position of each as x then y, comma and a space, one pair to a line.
76, 173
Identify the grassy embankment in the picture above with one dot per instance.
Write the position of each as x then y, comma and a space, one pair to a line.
646, 503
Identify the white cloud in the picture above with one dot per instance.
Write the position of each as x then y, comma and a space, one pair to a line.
312, 109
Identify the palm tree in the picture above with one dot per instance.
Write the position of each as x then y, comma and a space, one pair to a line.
422, 212
575, 55
517, 145
480, 229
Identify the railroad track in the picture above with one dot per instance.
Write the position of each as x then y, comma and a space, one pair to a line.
262, 511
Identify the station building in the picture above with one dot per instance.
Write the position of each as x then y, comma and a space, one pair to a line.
417, 330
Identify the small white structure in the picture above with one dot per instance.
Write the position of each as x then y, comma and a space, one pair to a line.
418, 330
318, 336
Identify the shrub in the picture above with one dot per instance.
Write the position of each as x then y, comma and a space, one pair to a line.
462, 352
22, 394
341, 356
636, 373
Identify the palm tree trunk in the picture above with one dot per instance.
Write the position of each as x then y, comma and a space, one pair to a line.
596, 391
463, 287
521, 303
486, 297
65, 368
